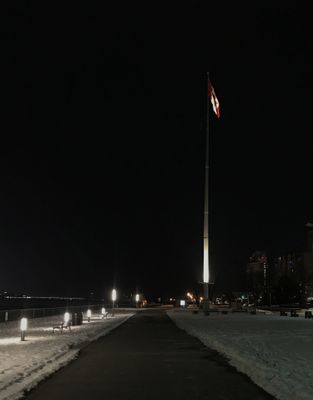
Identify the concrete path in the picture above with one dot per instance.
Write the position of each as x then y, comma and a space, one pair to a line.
148, 357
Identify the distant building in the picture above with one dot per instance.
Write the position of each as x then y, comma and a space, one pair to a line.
290, 265
308, 266
285, 279
258, 277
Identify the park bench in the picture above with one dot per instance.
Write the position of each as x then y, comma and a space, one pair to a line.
62, 325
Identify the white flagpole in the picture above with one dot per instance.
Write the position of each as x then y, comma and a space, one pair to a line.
206, 270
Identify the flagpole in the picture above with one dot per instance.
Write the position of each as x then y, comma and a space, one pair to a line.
206, 275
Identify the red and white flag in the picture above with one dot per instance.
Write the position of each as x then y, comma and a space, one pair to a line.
214, 100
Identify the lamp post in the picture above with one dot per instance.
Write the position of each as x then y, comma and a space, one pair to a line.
137, 299
88, 315
66, 318
23, 328
113, 299
206, 270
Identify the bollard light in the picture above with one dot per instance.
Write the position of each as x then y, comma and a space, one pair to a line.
137, 298
103, 314
23, 328
114, 295
88, 315
66, 318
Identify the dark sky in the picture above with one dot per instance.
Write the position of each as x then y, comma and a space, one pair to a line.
103, 134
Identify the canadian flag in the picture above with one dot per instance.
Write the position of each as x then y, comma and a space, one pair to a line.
214, 100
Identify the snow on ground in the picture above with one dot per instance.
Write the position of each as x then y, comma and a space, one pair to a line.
24, 363
275, 352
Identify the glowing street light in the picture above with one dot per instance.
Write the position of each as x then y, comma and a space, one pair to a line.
103, 313
190, 295
66, 318
114, 295
137, 299
88, 315
23, 328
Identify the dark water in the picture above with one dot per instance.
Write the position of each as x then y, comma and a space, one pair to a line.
14, 309
22, 303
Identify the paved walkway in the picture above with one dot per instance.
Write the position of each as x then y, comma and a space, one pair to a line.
148, 357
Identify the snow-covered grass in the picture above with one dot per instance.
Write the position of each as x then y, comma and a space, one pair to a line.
24, 363
275, 352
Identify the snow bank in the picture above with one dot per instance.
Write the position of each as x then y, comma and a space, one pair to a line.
275, 352
24, 364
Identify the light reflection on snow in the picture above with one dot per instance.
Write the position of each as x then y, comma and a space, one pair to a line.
12, 340
17, 340
43, 351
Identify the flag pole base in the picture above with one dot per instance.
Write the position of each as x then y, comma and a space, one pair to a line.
206, 306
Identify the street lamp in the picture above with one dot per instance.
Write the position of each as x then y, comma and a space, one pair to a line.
66, 318
23, 328
88, 315
113, 300
137, 299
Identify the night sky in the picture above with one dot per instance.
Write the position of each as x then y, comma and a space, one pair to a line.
103, 135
